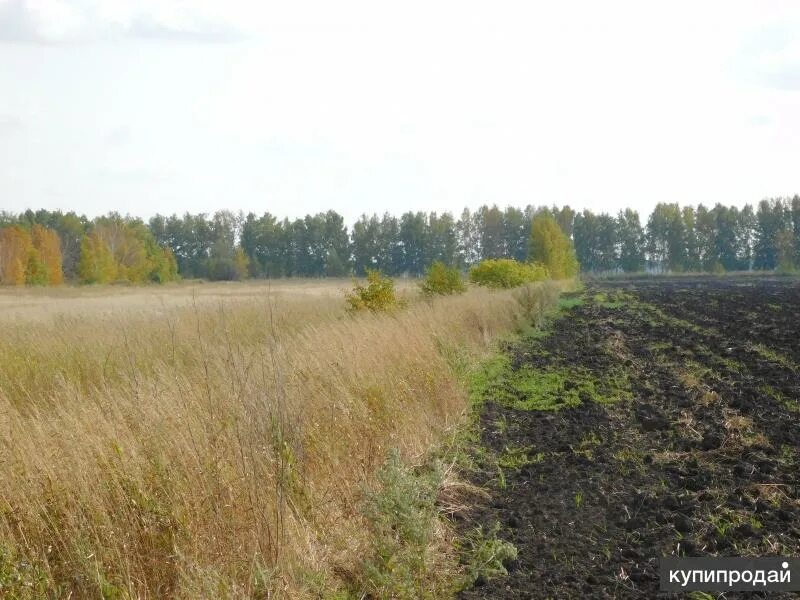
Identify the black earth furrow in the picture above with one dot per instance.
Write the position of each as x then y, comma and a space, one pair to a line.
690, 463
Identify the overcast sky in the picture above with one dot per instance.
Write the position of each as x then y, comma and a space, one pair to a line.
298, 107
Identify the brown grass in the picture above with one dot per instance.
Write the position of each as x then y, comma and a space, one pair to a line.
207, 448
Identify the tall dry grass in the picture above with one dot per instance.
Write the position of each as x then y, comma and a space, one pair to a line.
219, 450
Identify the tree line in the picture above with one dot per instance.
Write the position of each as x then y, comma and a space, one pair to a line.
675, 238
45, 248
228, 246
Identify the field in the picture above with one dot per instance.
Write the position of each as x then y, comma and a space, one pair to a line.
258, 441
656, 417
42, 304
217, 441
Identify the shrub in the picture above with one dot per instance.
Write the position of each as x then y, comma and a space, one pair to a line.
506, 273
402, 514
377, 295
536, 301
717, 268
442, 280
488, 555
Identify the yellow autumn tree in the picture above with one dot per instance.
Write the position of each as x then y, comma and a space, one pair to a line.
48, 248
30, 257
551, 247
15, 251
121, 249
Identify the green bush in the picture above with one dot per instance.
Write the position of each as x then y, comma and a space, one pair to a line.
442, 280
402, 514
377, 295
487, 555
717, 268
506, 273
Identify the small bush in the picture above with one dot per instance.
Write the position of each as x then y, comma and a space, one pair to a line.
377, 295
488, 555
402, 513
506, 273
442, 280
717, 268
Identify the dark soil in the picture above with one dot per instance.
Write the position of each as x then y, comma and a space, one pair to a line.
699, 456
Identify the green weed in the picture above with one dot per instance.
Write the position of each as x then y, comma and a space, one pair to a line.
516, 458
488, 555
402, 514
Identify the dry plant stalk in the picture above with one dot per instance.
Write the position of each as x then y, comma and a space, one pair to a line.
218, 449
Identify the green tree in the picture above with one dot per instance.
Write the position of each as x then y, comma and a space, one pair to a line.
666, 238
414, 238
689, 217
489, 222
516, 230
442, 243
468, 239
607, 252
745, 236
585, 233
366, 239
631, 241
725, 242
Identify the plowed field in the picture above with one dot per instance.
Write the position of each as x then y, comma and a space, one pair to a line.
653, 418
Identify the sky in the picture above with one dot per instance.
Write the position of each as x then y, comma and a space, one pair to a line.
167, 106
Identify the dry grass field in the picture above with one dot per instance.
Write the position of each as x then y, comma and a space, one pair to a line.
212, 440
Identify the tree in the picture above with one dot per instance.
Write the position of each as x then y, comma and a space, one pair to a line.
689, 217
414, 237
124, 249
550, 246
607, 257
30, 257
725, 242
770, 220
565, 217
705, 235
389, 248
745, 228
366, 252
490, 231
48, 249
585, 233
15, 248
469, 251
97, 263
336, 245
666, 238
516, 230
631, 241
442, 243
